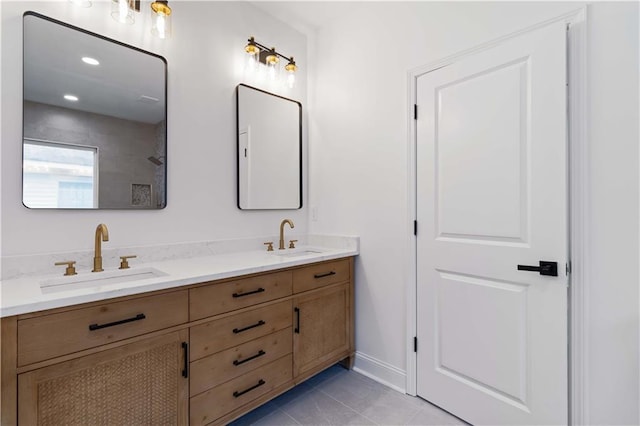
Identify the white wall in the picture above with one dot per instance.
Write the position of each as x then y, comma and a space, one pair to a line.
358, 166
203, 68
614, 135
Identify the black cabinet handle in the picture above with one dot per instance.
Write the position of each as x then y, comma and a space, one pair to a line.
258, 355
185, 350
138, 317
326, 274
260, 383
545, 268
260, 290
297, 329
240, 330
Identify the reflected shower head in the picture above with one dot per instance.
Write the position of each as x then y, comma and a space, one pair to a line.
156, 160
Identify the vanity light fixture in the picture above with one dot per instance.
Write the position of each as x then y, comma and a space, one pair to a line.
161, 16
122, 11
270, 58
71, 98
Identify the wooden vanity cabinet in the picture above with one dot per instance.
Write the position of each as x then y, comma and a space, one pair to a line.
203, 354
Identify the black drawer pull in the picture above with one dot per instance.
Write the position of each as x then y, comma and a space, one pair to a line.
185, 369
260, 383
326, 274
111, 324
260, 290
297, 329
258, 355
240, 330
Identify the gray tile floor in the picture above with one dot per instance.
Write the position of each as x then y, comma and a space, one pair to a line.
341, 397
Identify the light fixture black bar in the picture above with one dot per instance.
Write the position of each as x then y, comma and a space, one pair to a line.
268, 49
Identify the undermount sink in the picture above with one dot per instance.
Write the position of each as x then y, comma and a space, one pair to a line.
297, 252
98, 279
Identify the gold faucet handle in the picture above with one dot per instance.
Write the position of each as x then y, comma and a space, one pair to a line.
124, 263
269, 245
71, 269
292, 243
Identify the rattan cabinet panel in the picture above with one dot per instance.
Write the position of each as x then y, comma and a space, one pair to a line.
136, 384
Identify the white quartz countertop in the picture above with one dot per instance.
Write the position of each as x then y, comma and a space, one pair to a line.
25, 294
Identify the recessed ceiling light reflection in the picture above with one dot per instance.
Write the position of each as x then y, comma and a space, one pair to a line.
71, 98
90, 61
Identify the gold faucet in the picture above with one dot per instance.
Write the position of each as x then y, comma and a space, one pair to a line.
281, 247
102, 234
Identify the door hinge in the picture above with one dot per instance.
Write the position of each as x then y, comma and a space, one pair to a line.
415, 111
568, 268
415, 344
415, 227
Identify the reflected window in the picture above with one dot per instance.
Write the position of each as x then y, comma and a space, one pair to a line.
57, 175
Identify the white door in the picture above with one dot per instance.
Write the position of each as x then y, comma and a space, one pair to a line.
492, 195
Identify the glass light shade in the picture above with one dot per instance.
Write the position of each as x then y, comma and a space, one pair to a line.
251, 64
121, 12
272, 70
291, 80
161, 19
272, 59
291, 69
291, 66
251, 48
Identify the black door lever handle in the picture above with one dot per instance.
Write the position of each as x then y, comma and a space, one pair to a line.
545, 268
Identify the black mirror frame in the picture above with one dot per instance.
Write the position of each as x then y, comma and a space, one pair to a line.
166, 109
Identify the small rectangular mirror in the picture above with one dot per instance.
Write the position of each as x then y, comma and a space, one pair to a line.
269, 150
94, 120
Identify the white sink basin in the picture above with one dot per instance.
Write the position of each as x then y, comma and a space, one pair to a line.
98, 279
297, 252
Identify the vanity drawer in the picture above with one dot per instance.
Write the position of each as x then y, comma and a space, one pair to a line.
219, 298
213, 370
62, 333
218, 335
319, 275
208, 406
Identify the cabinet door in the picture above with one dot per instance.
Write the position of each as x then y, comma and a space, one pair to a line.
140, 383
322, 329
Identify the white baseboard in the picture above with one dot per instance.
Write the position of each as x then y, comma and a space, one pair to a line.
381, 372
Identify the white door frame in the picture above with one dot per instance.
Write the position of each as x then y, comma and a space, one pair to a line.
579, 215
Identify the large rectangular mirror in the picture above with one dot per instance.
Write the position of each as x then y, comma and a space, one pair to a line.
94, 120
269, 150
